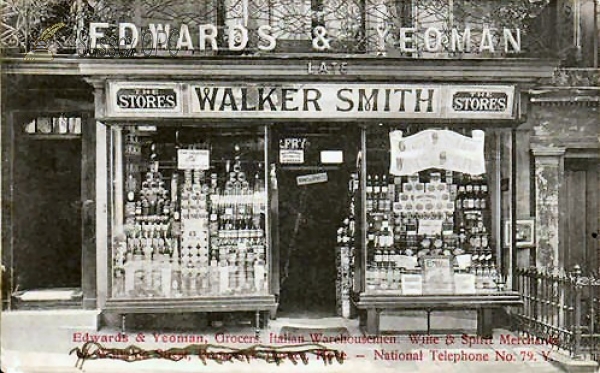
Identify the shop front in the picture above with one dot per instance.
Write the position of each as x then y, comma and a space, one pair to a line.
304, 199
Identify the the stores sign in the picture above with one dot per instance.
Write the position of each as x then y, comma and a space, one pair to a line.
310, 100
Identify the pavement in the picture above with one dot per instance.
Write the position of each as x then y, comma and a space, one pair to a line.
38, 342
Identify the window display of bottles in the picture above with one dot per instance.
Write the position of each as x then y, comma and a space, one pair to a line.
433, 213
198, 232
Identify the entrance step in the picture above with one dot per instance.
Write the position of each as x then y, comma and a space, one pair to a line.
58, 298
327, 323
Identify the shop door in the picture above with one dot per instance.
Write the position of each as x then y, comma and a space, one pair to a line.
308, 219
581, 225
47, 213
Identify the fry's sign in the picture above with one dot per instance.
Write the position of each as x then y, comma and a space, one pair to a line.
310, 100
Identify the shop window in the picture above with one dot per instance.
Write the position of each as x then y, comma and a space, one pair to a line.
189, 214
430, 227
63, 125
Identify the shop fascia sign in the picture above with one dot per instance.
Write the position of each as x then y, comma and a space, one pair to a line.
205, 37
309, 100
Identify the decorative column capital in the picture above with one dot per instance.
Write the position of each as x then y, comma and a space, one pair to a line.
99, 85
547, 151
96, 82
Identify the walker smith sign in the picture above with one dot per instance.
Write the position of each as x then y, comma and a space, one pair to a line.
310, 100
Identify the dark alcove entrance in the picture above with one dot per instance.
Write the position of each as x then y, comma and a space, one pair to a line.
310, 212
47, 212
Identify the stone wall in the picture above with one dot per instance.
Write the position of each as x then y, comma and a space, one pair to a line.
566, 124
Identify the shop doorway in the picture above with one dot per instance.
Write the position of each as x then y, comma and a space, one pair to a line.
583, 203
47, 212
308, 218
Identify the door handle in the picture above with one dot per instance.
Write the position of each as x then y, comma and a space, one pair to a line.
87, 203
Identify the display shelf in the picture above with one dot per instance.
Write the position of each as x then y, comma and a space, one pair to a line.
205, 304
371, 306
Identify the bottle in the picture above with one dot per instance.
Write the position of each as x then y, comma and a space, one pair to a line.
475, 239
376, 187
259, 276
449, 178
483, 198
377, 200
384, 200
386, 238
223, 277
484, 239
486, 276
371, 236
460, 198
369, 192
395, 256
447, 227
462, 236
476, 196
411, 235
494, 276
389, 276
479, 276
469, 198
213, 276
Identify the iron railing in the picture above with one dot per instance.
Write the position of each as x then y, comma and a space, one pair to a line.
562, 307
353, 26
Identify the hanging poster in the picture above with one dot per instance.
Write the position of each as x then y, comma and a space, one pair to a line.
442, 149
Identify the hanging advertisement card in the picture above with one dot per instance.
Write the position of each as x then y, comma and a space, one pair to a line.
193, 159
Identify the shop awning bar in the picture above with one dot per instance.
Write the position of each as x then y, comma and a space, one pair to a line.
476, 70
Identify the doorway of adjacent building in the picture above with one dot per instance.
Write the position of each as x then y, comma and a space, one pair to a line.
582, 209
308, 219
47, 212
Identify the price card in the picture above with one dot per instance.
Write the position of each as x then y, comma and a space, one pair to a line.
405, 261
291, 156
430, 227
193, 159
464, 283
412, 284
463, 261
438, 275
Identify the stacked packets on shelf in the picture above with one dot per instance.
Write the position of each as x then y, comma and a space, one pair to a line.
344, 256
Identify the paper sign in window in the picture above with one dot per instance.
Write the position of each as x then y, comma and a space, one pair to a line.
332, 157
193, 159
